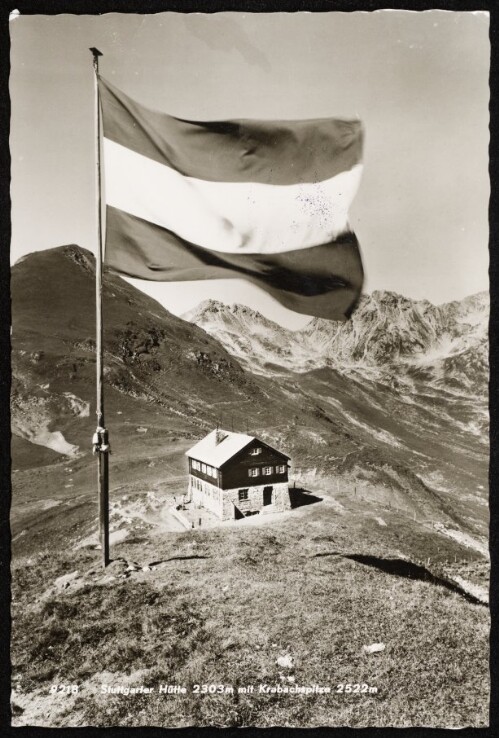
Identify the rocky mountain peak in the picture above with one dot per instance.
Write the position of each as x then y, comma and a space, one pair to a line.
204, 310
212, 312
81, 257
386, 330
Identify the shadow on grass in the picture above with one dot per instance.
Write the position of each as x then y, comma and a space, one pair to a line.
299, 497
407, 570
178, 558
133, 541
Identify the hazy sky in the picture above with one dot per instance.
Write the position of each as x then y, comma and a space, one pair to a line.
419, 82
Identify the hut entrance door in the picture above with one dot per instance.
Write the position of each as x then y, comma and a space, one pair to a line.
267, 495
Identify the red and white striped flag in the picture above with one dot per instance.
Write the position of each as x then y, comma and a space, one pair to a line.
265, 201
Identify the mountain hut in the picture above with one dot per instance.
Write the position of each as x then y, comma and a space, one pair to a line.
234, 475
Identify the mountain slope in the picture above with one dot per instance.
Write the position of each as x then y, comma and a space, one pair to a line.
155, 363
163, 376
405, 379
444, 344
168, 381
248, 335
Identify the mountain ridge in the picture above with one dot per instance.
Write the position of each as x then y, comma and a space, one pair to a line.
386, 330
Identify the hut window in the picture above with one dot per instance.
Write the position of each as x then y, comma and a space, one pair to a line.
243, 494
253, 472
267, 470
203, 468
256, 451
280, 469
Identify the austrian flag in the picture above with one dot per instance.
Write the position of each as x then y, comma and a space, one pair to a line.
265, 201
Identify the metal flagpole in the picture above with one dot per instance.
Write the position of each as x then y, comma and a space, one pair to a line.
101, 438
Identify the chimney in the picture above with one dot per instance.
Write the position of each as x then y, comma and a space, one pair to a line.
219, 436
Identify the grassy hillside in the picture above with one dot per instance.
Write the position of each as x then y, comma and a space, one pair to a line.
222, 605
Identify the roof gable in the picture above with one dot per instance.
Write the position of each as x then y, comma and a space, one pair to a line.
263, 444
208, 451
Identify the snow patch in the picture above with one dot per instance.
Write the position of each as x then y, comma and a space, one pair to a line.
115, 536
78, 407
118, 535
473, 589
41, 436
47, 504
381, 435
463, 538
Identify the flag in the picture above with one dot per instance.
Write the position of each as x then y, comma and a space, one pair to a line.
265, 201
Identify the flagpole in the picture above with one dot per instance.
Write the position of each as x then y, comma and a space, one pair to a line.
101, 438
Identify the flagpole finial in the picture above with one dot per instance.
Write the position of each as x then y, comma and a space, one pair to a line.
96, 53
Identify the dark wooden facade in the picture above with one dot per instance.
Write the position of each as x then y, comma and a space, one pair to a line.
235, 472
217, 481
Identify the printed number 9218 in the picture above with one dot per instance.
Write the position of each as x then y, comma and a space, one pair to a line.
64, 689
